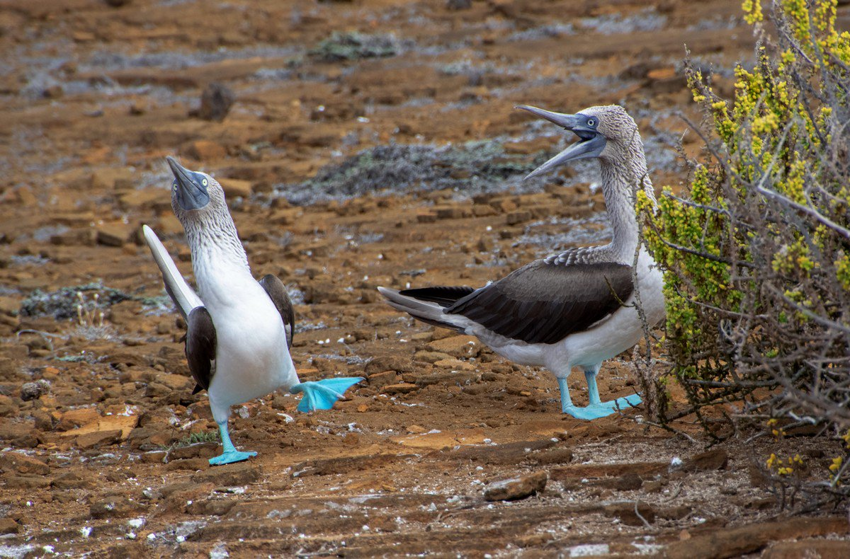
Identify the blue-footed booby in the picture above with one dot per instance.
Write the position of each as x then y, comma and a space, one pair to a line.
239, 330
576, 308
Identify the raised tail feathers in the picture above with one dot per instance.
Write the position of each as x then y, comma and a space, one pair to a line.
184, 297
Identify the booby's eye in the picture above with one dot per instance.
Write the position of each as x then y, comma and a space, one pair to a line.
204, 182
174, 186
591, 122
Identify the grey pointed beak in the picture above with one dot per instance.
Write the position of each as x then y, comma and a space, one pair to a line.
565, 121
590, 144
191, 193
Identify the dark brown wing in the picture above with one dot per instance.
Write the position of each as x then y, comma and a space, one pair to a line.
200, 347
544, 303
277, 293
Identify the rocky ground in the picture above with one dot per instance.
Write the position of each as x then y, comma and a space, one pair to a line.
368, 143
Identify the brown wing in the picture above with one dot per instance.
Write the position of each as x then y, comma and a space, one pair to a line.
200, 347
544, 303
277, 293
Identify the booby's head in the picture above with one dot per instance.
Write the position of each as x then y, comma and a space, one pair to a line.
607, 133
194, 194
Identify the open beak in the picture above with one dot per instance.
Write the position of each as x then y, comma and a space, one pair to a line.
590, 144
191, 193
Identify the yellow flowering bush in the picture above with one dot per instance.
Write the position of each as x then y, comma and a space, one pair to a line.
756, 252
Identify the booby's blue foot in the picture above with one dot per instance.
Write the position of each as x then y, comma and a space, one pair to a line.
590, 412
323, 394
623, 403
231, 457
603, 409
229, 454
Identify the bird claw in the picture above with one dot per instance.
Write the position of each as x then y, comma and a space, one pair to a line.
602, 409
230, 457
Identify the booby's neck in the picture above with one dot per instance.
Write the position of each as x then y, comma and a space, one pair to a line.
620, 183
218, 259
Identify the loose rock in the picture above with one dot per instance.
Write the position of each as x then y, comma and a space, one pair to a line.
517, 488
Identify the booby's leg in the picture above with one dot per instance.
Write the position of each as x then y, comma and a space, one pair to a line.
566, 401
322, 394
596, 408
229, 454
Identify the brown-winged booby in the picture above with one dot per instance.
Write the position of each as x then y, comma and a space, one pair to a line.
239, 330
576, 308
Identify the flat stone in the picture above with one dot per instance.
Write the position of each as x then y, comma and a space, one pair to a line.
500, 454
454, 364
608, 470
211, 507
430, 356
629, 513
114, 234
205, 150
71, 480
379, 380
554, 456
145, 198
234, 188
334, 466
388, 363
822, 549
22, 464
97, 439
516, 488
106, 178
114, 506
515, 218
8, 526
735, 542
193, 464
400, 388
241, 473
27, 482
711, 460
198, 450
457, 346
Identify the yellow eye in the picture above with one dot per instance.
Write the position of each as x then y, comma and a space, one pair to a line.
204, 182
174, 187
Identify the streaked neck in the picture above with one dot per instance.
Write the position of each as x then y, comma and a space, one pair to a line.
620, 184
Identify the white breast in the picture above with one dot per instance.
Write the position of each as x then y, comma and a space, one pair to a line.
252, 358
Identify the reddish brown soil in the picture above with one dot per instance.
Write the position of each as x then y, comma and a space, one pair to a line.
98, 461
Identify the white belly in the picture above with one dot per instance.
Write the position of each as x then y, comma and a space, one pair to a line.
252, 358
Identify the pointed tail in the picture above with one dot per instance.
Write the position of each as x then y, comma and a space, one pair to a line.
323, 394
184, 297
426, 311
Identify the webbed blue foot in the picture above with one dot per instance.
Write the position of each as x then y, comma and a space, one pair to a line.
229, 454
323, 394
623, 403
231, 457
602, 409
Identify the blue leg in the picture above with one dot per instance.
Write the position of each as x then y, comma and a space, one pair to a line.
229, 453
322, 394
566, 401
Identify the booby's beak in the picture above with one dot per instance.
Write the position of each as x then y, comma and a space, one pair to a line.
189, 186
590, 144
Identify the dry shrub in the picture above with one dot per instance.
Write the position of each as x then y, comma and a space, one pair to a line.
757, 253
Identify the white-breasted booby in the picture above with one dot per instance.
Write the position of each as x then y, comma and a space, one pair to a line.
239, 330
576, 308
